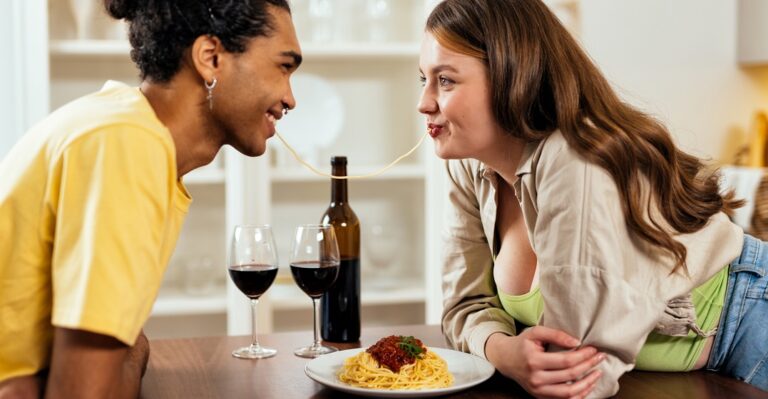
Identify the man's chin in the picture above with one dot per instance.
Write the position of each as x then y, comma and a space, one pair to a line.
252, 151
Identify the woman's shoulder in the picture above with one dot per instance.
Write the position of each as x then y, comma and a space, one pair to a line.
556, 148
553, 154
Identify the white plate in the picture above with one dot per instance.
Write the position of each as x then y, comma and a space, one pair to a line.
318, 118
468, 371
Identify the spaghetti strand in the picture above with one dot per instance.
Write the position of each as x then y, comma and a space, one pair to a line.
364, 176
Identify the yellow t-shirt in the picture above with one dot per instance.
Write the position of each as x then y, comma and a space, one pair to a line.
90, 211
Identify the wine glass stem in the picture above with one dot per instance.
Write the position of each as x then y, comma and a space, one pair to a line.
316, 318
254, 324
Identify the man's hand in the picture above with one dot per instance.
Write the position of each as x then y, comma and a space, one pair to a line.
89, 365
545, 374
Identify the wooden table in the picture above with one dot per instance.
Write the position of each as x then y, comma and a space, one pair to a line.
205, 368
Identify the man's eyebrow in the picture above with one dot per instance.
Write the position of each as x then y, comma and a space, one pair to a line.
296, 57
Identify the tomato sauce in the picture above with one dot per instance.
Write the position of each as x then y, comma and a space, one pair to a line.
389, 353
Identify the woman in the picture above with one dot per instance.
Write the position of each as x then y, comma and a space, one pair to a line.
575, 217
91, 198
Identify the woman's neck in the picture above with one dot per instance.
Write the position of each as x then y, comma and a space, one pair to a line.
504, 157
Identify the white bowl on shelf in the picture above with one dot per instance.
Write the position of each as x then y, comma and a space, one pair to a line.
316, 121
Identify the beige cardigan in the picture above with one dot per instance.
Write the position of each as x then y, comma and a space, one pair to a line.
599, 283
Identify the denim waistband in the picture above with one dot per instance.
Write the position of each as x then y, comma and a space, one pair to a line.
753, 261
752, 258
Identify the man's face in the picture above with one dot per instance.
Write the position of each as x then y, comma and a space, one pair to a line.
255, 87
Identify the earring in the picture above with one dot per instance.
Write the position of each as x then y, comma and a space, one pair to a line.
210, 87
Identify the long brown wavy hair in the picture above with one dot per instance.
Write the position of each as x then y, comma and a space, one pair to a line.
541, 80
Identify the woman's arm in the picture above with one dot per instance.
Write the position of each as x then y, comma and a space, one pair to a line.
471, 307
598, 284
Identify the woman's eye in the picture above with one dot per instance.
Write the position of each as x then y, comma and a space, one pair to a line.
445, 81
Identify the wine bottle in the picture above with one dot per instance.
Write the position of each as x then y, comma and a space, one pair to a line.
340, 305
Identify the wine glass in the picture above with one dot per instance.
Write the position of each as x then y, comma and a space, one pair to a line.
315, 266
378, 19
383, 242
252, 265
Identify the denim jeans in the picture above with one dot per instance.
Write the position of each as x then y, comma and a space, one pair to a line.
740, 349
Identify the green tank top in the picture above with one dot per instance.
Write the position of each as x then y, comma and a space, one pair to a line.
660, 352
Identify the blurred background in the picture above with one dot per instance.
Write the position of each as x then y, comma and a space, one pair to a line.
700, 66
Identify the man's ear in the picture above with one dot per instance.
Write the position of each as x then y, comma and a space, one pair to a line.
206, 52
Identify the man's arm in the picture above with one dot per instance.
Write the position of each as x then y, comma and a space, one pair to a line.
89, 365
24, 387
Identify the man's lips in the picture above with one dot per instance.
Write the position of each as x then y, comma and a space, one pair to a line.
434, 129
271, 122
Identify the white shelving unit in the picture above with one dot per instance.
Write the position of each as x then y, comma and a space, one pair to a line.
398, 172
378, 84
72, 48
176, 302
379, 87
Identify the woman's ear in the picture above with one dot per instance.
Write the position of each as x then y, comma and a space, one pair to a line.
205, 53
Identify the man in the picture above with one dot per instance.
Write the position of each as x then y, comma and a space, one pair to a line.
91, 199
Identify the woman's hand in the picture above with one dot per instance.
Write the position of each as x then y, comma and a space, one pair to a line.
545, 374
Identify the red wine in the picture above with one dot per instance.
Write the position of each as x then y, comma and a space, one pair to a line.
340, 306
314, 278
254, 279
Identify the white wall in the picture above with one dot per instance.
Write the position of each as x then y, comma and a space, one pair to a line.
24, 93
677, 60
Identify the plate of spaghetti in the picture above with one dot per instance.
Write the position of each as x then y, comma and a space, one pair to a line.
399, 367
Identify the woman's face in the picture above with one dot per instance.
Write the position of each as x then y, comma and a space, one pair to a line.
456, 100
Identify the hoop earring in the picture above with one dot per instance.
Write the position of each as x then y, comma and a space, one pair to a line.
210, 87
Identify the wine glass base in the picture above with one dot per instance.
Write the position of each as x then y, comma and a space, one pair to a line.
314, 351
250, 353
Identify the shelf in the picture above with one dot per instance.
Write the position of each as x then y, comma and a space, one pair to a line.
82, 48
177, 303
313, 51
288, 296
301, 175
205, 176
335, 51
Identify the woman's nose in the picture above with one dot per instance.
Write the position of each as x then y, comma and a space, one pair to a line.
427, 104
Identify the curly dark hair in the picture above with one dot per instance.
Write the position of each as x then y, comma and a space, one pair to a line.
162, 30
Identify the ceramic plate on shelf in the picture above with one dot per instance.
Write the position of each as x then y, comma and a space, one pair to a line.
468, 371
318, 117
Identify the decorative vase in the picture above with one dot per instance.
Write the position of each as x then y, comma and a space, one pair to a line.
84, 13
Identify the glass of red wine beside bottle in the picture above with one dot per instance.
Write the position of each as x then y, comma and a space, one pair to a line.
252, 265
315, 266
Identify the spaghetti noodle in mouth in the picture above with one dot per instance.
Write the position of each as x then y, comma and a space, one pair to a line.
396, 363
365, 176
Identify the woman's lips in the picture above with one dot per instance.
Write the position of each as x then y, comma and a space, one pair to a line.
434, 129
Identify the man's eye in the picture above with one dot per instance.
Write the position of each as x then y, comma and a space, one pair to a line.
423, 80
445, 81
